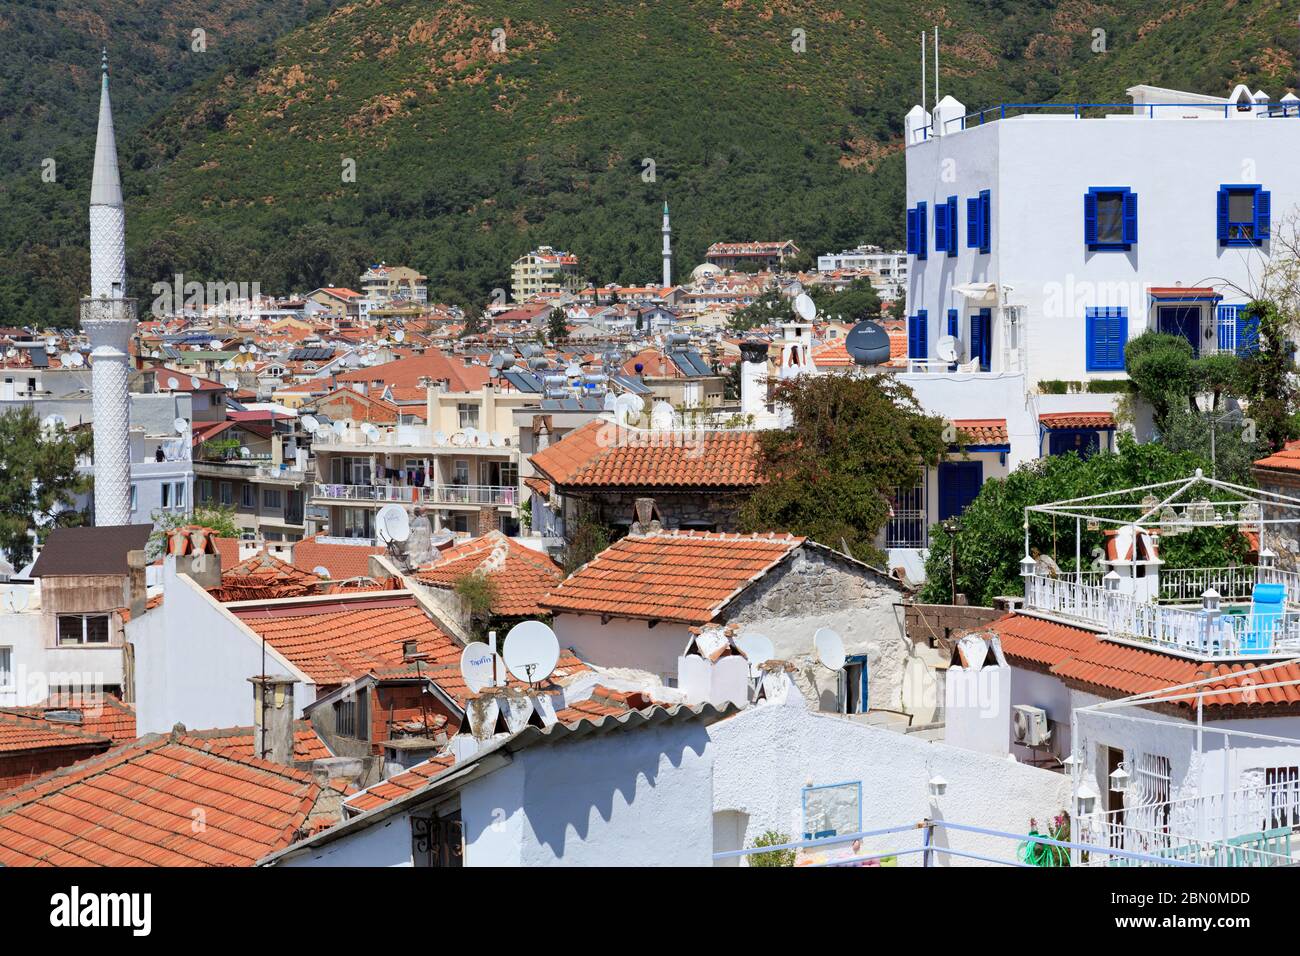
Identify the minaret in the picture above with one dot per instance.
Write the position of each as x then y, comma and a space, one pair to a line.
668, 249
108, 318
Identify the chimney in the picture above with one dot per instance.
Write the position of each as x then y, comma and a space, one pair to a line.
753, 377
136, 587
273, 714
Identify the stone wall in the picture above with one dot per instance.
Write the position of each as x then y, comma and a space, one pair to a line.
938, 625
715, 511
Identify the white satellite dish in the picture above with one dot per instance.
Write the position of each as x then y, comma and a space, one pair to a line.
231, 383
51, 422
946, 348
829, 648
215, 343
370, 431
498, 440
245, 451
78, 360
195, 383
756, 647
531, 651
339, 427
392, 525
173, 383
458, 439
65, 359
440, 438
481, 667
574, 370
15, 600
228, 365
399, 335
805, 307
181, 425
324, 433
321, 571
310, 423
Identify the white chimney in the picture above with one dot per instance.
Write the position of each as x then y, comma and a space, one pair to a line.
753, 377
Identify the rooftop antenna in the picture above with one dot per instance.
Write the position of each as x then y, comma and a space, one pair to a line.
531, 651
936, 67
922, 69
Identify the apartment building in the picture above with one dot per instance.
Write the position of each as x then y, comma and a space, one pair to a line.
544, 270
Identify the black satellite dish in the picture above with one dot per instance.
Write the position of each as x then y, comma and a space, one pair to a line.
867, 344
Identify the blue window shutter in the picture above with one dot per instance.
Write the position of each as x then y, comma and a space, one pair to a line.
922, 334
911, 336
953, 320
952, 226
1107, 334
941, 227
1130, 218
1247, 332
985, 322
976, 337
1263, 213
1227, 320
973, 222
922, 225
911, 232
1090, 218
986, 220
959, 485
1223, 216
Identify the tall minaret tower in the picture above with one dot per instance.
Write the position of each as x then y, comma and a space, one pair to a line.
668, 249
108, 318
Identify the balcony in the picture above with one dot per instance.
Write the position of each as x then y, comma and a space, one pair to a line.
503, 496
410, 438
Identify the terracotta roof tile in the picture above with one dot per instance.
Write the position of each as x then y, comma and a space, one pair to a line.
341, 560
237, 742
20, 732
522, 578
1097, 420
334, 641
678, 576
602, 454
101, 714
136, 806
983, 431
1288, 459
401, 784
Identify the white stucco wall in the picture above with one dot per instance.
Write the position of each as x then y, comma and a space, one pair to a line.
386, 843
624, 643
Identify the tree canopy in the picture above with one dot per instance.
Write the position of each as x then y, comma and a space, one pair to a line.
39, 481
989, 539
830, 476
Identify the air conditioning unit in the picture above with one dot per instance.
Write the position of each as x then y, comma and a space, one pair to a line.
1029, 726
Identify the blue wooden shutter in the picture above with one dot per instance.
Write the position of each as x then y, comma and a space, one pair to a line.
922, 333
1222, 219
959, 485
922, 225
953, 322
976, 337
1130, 218
941, 227
1263, 213
973, 222
1247, 332
986, 220
1226, 319
952, 226
1090, 218
1107, 334
911, 337
911, 232
985, 323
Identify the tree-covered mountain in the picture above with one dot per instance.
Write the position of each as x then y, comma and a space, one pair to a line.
479, 128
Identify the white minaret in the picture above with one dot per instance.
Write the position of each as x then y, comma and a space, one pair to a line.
668, 249
108, 318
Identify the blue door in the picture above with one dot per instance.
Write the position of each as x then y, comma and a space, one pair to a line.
959, 484
1183, 320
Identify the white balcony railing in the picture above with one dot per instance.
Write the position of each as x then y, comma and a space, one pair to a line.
413, 436
497, 495
1187, 630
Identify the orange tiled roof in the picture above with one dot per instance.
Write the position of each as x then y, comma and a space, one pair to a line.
601, 453
1081, 655
401, 784
262, 577
677, 576
341, 560
1288, 459
334, 641
983, 431
1077, 420
135, 806
22, 732
101, 715
237, 742
522, 579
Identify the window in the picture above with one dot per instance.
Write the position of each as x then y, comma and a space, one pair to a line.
460, 473
6, 667
351, 717
178, 494
1243, 216
227, 494
1238, 330
906, 525
467, 414
1107, 334
959, 485
204, 490
166, 494
271, 499
247, 498
916, 226
135, 498
76, 629
981, 338
1110, 218
918, 335
979, 218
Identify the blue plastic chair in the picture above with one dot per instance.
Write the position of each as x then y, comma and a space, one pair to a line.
1267, 605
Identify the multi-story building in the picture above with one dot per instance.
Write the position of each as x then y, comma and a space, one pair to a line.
383, 284
751, 256
888, 270
544, 270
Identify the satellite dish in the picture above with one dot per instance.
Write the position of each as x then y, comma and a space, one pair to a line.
867, 344
15, 600
392, 526
195, 383
310, 423
231, 383
440, 438
215, 344
65, 359
399, 335
829, 648
173, 383
946, 348
481, 667
756, 647
339, 427
370, 431
498, 440
228, 365
181, 426
458, 439
531, 651
324, 433
78, 360
805, 307
51, 422
245, 451
321, 571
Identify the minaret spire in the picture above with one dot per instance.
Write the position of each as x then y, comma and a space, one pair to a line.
108, 318
668, 249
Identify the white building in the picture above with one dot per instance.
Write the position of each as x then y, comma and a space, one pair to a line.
888, 269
